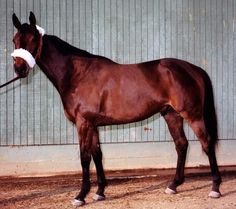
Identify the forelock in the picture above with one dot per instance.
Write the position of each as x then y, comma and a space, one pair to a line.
26, 28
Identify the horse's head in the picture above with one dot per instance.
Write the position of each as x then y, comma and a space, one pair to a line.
28, 45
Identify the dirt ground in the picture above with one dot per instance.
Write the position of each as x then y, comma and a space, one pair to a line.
132, 191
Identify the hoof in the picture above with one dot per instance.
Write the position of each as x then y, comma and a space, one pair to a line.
214, 194
78, 203
170, 191
97, 197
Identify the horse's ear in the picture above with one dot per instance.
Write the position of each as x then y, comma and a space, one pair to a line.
16, 21
32, 19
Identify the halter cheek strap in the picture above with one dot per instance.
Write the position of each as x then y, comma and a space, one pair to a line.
26, 55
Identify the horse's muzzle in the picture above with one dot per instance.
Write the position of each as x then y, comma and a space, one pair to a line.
21, 67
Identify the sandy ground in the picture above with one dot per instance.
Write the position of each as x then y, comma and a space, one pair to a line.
137, 192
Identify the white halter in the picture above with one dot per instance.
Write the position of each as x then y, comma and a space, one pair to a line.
26, 55
41, 30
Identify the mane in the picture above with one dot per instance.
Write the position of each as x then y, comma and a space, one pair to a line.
68, 49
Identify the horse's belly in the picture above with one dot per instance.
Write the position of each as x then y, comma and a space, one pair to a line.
132, 113
133, 105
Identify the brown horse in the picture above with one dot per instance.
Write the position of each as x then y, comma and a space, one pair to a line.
96, 91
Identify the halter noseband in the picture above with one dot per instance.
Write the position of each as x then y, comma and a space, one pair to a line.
25, 55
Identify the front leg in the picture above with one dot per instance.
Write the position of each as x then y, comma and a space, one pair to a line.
85, 132
97, 158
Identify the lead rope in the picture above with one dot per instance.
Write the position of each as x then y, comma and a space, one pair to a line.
14, 79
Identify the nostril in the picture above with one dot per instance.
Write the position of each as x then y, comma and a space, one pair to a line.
21, 70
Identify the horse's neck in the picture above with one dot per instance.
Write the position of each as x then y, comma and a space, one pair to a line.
53, 63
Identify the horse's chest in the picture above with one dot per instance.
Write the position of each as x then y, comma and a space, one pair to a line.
69, 115
80, 103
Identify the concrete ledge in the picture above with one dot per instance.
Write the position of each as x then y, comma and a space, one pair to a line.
58, 159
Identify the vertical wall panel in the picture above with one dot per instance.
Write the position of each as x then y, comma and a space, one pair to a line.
233, 66
3, 74
127, 31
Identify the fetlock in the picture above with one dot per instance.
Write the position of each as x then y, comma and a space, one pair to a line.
83, 192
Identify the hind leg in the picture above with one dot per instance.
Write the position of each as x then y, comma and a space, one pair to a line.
209, 148
175, 125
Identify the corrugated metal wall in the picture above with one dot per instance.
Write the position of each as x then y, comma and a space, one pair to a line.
127, 31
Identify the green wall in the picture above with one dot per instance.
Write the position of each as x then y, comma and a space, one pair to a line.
127, 31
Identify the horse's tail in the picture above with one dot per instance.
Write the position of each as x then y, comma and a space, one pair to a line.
209, 113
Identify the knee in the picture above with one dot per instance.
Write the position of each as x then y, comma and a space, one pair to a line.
97, 153
85, 157
208, 148
85, 162
205, 148
182, 146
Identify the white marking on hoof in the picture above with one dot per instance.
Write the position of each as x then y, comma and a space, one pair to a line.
170, 191
77, 203
97, 197
214, 194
